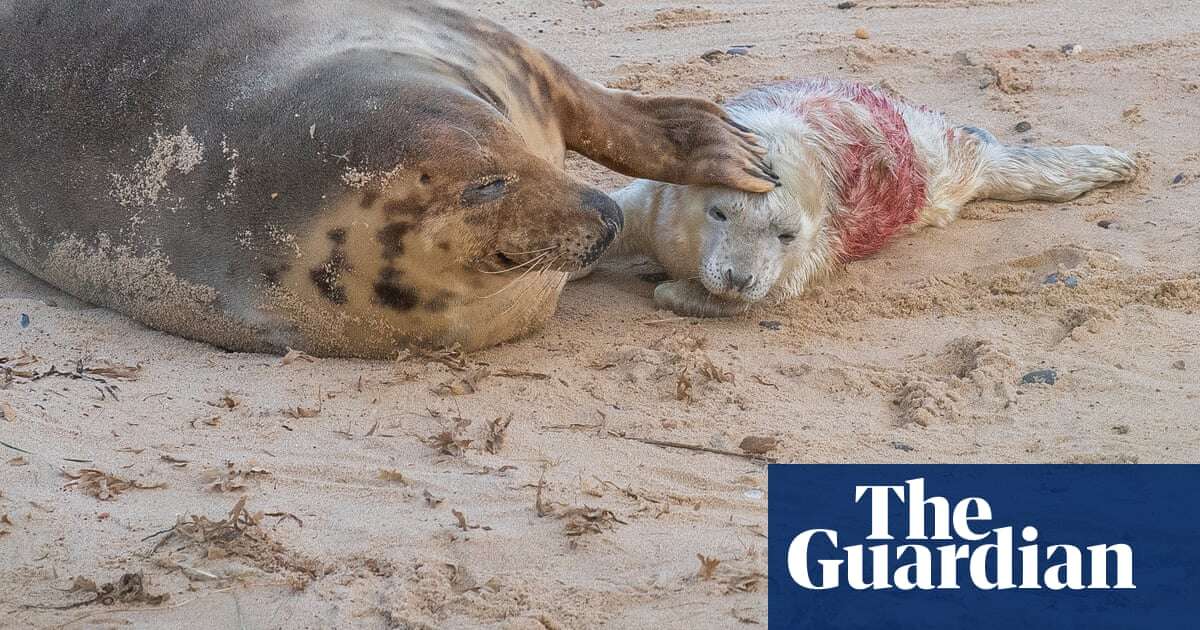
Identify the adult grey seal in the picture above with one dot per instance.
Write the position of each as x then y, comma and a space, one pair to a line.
347, 178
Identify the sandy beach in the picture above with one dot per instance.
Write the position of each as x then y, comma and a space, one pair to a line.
593, 475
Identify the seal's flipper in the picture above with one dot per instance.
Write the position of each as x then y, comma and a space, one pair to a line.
1016, 173
678, 140
690, 299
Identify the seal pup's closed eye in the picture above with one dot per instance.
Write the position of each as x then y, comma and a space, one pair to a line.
857, 167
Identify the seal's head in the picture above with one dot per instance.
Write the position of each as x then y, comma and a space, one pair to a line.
468, 239
478, 192
753, 245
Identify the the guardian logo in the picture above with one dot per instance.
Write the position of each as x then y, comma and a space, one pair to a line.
927, 543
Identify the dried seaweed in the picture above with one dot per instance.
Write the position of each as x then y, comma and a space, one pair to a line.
294, 356
538, 504
393, 475
109, 369
464, 525
232, 478
448, 443
449, 357
536, 376
177, 462
130, 588
683, 387
588, 520
238, 535
464, 385
430, 500
299, 413
104, 486
493, 434
227, 401
705, 366
708, 567
21, 360
692, 447
745, 583
762, 381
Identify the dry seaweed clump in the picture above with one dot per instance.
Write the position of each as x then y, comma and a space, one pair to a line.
468, 383
232, 478
129, 589
580, 520
494, 434
588, 520
238, 535
104, 486
448, 443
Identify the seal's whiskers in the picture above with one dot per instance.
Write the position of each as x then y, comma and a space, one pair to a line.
531, 269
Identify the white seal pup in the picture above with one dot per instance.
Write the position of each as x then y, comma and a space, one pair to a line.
858, 166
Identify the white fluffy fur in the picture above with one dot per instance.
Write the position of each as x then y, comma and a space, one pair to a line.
721, 267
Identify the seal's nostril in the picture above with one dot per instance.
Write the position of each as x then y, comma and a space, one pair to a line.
738, 281
610, 213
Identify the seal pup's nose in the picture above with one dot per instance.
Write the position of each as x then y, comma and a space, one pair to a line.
738, 281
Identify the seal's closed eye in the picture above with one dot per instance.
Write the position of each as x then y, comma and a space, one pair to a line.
491, 191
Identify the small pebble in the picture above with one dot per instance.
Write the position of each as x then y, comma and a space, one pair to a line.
846, 5
24, 320
754, 494
1040, 377
862, 33
771, 325
967, 58
1179, 365
901, 446
1071, 49
1023, 126
756, 445
1121, 429
739, 50
1106, 224
1178, 179
1057, 278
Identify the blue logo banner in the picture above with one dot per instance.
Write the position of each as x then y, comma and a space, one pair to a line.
979, 547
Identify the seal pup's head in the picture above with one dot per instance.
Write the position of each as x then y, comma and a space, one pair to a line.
849, 180
745, 246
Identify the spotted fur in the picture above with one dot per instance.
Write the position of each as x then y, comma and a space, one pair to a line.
347, 178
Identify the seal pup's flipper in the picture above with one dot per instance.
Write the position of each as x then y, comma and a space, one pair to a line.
689, 298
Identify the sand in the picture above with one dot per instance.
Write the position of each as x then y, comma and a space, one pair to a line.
567, 521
